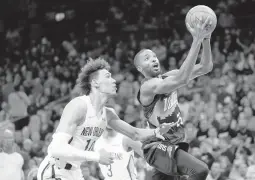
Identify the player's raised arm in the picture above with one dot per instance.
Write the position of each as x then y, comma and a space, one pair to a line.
205, 65
136, 134
74, 113
183, 75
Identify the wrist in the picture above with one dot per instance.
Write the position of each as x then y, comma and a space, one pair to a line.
197, 40
207, 39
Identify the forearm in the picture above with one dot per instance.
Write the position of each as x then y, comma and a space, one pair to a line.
71, 153
190, 61
206, 59
59, 148
144, 134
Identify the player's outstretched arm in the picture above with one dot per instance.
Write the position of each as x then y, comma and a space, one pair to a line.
74, 113
136, 134
205, 66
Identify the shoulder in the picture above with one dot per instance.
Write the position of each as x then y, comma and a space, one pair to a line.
75, 110
150, 84
77, 102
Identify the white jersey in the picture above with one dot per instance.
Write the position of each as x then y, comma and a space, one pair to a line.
123, 167
87, 133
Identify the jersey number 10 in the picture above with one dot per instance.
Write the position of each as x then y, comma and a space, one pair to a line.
90, 145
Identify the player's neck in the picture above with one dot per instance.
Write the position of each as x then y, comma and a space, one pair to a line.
98, 100
150, 77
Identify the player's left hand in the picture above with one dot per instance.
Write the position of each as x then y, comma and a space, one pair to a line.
162, 129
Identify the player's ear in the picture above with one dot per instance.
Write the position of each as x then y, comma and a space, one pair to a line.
139, 68
94, 83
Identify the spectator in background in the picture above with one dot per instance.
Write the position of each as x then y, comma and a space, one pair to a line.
19, 102
11, 162
203, 128
172, 63
238, 171
215, 173
160, 50
226, 19
126, 89
184, 105
32, 174
250, 174
196, 107
8, 88
5, 112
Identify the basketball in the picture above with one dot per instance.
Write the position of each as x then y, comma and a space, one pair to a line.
200, 13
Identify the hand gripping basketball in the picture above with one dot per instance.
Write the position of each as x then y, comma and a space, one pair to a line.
162, 129
199, 30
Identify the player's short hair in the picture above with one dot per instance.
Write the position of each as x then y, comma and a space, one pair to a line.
136, 58
89, 71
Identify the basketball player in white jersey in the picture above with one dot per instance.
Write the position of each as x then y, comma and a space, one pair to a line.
83, 121
122, 149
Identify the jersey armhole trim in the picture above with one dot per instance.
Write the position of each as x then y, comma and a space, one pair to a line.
145, 106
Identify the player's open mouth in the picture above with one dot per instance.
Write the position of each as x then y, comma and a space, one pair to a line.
155, 66
115, 88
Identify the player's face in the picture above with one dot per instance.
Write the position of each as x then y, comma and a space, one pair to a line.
149, 64
106, 83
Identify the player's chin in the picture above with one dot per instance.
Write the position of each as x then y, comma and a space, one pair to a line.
113, 93
155, 72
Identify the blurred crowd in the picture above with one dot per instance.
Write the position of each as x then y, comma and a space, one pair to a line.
218, 108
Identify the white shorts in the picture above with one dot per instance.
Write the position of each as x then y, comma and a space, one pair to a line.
48, 171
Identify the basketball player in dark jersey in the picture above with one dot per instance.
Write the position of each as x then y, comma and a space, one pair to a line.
158, 96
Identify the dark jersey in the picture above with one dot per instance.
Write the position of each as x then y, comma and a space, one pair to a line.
164, 109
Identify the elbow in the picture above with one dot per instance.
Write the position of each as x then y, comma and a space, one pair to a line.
208, 68
184, 79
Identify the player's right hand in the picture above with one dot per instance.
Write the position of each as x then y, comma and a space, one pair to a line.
199, 31
106, 158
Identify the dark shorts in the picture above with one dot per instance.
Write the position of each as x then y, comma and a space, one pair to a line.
161, 156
